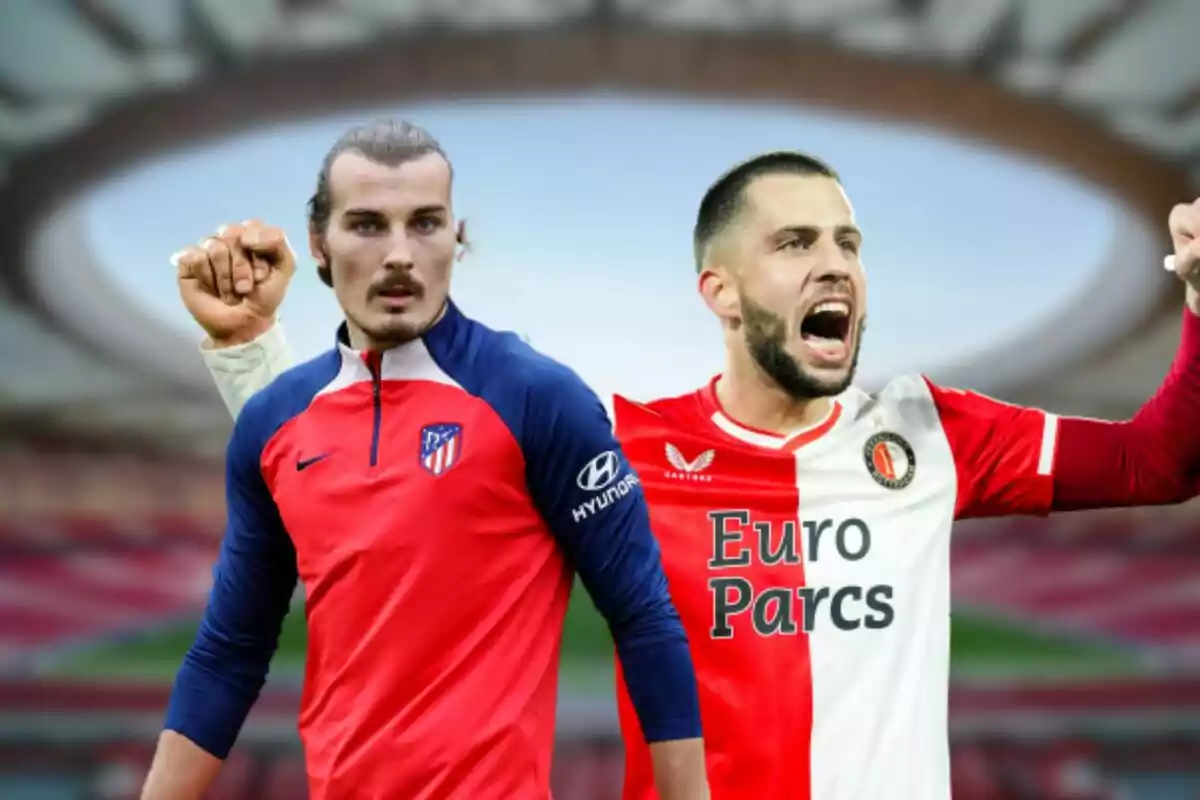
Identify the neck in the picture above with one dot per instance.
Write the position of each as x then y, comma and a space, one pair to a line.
362, 341
751, 398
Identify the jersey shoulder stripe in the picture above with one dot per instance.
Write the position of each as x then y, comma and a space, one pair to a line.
525, 388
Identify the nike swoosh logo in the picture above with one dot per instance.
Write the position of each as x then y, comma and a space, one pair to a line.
305, 463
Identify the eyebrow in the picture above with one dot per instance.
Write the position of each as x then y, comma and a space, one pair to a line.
374, 212
814, 231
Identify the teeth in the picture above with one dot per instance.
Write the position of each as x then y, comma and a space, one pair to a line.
834, 306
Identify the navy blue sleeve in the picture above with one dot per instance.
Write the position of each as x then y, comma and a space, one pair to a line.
253, 582
592, 501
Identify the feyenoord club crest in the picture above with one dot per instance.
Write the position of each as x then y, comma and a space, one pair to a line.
890, 460
441, 445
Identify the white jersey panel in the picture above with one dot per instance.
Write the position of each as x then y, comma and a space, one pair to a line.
877, 499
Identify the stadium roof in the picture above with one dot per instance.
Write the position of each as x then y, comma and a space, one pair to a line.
1110, 88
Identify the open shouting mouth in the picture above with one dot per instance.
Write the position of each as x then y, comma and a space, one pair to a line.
826, 331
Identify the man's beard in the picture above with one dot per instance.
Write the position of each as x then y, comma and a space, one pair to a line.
766, 337
394, 331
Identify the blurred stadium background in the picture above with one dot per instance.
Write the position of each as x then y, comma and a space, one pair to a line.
1076, 640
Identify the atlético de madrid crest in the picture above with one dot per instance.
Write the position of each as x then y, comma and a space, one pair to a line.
890, 460
441, 446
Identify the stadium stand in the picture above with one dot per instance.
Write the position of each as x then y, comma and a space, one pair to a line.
1093, 741
99, 544
1071, 768
38, 369
1130, 575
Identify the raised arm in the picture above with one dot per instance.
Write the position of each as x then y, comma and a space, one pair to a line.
223, 672
232, 283
1014, 460
593, 502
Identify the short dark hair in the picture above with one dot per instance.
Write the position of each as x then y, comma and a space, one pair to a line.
385, 141
723, 200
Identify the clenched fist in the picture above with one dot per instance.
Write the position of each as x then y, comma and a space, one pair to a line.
233, 282
1184, 223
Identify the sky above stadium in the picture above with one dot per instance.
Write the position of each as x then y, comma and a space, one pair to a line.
580, 210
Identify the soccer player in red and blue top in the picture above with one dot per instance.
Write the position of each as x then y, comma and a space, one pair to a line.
435, 485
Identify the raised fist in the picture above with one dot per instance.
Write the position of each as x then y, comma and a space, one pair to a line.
233, 282
1184, 224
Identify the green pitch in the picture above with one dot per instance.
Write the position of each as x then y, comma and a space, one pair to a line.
979, 644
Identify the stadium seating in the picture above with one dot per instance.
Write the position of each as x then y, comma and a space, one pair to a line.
1064, 768
1128, 576
100, 544
56, 600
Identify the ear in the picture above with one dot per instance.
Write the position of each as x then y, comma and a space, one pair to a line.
720, 292
316, 246
463, 244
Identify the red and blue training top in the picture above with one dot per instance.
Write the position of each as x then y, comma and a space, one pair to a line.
435, 499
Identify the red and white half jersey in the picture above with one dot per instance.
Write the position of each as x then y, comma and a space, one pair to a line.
812, 574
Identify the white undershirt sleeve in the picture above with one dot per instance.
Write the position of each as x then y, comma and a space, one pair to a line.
243, 370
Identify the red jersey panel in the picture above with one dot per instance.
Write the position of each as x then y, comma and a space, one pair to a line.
726, 516
407, 557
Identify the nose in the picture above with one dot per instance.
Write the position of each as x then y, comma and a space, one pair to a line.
400, 253
832, 273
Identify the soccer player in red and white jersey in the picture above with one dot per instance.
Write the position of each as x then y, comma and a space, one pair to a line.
805, 524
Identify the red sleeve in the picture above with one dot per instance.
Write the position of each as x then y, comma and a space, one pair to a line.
1151, 459
1003, 454
1015, 460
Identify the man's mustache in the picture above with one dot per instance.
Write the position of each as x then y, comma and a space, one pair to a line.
402, 283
